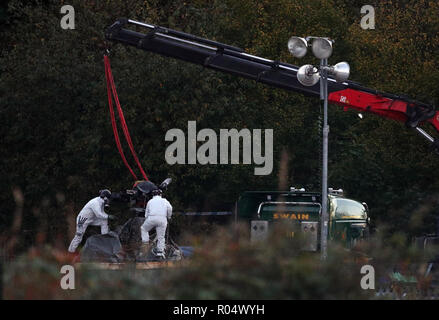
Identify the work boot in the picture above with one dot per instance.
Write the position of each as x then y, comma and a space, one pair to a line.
158, 254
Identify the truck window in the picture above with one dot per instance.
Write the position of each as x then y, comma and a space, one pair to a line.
349, 209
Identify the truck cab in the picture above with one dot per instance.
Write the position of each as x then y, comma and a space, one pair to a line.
301, 211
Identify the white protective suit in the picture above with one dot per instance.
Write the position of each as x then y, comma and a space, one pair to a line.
92, 214
158, 211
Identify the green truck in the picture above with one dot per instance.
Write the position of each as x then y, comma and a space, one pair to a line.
300, 211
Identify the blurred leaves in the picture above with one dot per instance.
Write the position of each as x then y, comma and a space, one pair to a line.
226, 265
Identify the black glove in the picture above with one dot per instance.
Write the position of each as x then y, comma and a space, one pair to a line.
111, 217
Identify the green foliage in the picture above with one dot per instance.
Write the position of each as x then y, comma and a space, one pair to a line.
226, 265
57, 137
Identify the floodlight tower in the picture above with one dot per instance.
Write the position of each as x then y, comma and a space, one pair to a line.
309, 75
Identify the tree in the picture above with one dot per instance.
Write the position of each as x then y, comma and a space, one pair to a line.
57, 138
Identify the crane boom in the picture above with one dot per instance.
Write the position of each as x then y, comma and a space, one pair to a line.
233, 60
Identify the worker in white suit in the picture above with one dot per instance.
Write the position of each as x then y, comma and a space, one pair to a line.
92, 214
157, 213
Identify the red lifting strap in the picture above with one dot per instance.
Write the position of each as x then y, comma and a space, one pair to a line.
111, 92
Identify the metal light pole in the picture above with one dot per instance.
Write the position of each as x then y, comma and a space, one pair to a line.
308, 75
324, 98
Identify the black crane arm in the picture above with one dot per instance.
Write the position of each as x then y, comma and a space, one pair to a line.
233, 60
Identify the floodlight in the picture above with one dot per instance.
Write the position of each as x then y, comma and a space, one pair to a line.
340, 71
322, 48
297, 46
308, 75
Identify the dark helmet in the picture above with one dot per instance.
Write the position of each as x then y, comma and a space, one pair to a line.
104, 193
156, 192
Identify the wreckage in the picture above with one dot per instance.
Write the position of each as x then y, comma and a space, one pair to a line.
122, 245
